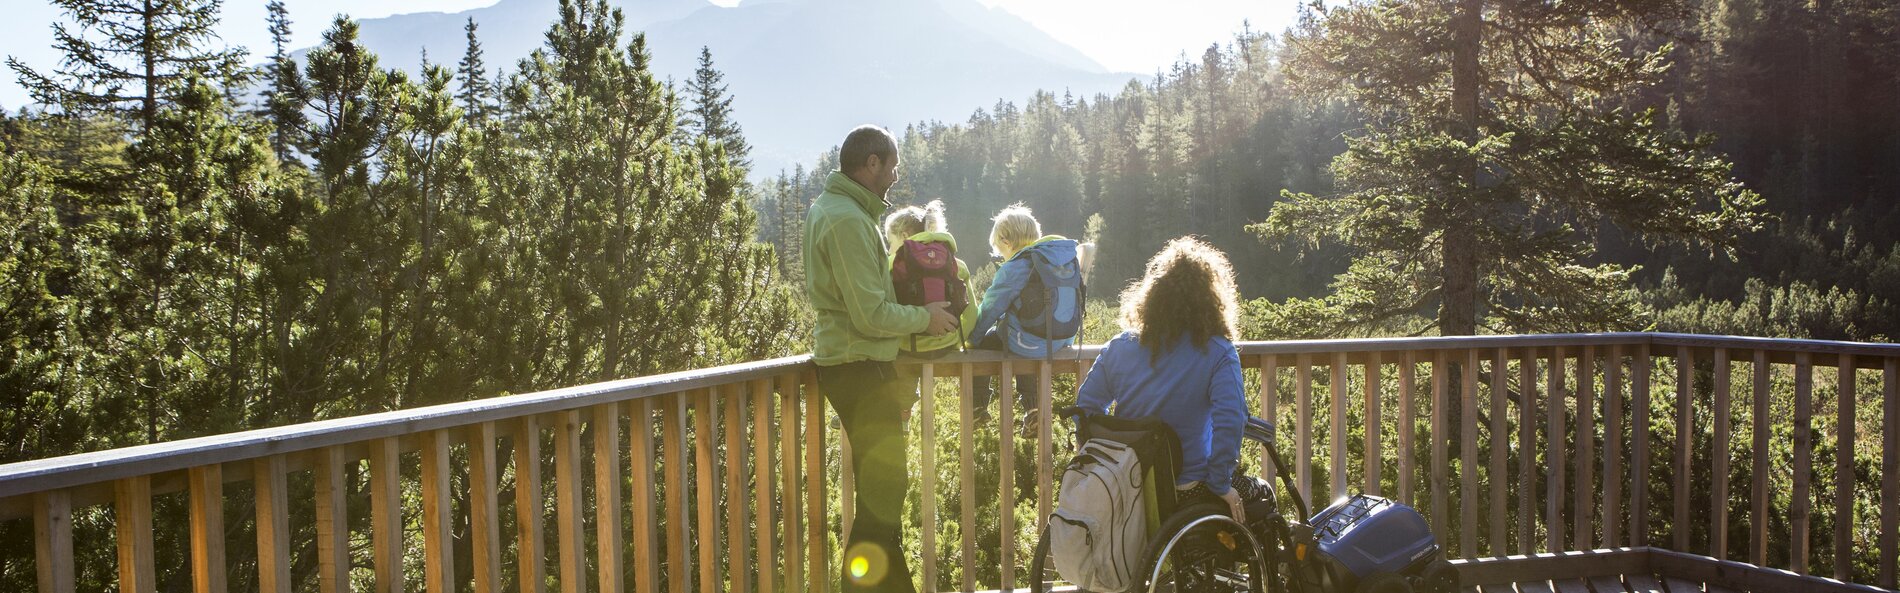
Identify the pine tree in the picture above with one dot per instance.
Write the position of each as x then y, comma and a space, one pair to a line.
136, 58
1485, 171
710, 116
476, 88
284, 93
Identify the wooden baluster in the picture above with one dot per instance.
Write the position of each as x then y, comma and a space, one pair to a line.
1844, 470
1375, 426
385, 512
1404, 417
608, 537
705, 492
438, 565
967, 472
847, 488
132, 503
1718, 485
206, 484
762, 467
1006, 474
646, 530
1583, 513
788, 475
1441, 371
679, 578
1554, 416
739, 552
1639, 447
820, 554
1526, 452
271, 490
567, 502
530, 507
1758, 512
1802, 502
1685, 438
1613, 477
1500, 445
1269, 409
53, 540
1303, 425
1338, 438
1889, 546
927, 492
1468, 455
333, 528
1045, 450
484, 508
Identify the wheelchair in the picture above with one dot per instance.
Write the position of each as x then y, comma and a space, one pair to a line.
1195, 546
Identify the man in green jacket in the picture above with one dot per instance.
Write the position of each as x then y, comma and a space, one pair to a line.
858, 326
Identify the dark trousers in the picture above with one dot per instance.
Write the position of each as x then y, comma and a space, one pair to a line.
870, 399
982, 393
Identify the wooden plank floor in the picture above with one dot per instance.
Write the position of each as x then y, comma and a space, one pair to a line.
1634, 570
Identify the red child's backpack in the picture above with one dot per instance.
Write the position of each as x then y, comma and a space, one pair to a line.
926, 272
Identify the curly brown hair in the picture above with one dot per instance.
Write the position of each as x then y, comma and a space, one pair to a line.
1188, 290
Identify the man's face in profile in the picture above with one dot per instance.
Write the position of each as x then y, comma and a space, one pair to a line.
883, 174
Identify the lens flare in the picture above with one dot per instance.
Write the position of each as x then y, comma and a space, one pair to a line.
867, 564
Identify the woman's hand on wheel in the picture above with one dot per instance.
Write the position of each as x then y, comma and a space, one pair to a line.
1234, 506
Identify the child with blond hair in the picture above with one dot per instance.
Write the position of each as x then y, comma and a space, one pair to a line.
917, 229
1034, 306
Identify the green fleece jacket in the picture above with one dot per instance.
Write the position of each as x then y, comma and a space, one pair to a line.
967, 319
848, 279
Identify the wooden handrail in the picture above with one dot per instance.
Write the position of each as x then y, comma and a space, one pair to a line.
1564, 396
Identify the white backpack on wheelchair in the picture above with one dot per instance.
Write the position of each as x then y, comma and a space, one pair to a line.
1100, 523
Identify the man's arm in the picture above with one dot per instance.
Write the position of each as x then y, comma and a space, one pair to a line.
858, 270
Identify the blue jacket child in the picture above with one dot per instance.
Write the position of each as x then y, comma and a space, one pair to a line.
997, 325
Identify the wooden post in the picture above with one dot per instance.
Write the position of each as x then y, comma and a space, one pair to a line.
1440, 519
1759, 419
1006, 475
608, 542
1554, 452
927, 493
484, 508
1404, 416
438, 544
646, 533
1527, 451
1685, 439
1269, 409
1583, 515
207, 528
1337, 383
789, 457
1844, 470
1889, 470
1303, 425
132, 502
818, 553
679, 577
1718, 484
966, 471
273, 523
705, 492
1468, 455
1613, 476
530, 506
567, 502
333, 528
762, 467
385, 510
53, 540
1045, 450
1375, 426
1802, 503
1639, 448
1500, 444
739, 552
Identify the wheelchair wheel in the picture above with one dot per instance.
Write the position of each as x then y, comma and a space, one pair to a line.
1202, 550
1042, 573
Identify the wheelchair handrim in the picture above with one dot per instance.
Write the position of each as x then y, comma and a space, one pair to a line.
1253, 545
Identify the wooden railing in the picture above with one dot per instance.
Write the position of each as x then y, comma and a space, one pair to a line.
735, 493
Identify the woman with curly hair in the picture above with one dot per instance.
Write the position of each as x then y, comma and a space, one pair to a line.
1175, 361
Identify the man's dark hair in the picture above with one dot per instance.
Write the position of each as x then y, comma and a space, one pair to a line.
864, 141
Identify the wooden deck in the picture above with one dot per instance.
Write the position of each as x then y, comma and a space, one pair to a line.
1635, 570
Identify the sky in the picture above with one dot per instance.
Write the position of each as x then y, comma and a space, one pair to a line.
1139, 36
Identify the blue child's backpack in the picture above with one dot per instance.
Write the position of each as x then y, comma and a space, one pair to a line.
1051, 304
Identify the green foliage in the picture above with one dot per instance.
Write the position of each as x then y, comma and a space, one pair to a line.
128, 57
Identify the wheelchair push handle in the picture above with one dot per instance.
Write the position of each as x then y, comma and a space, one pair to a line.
1258, 430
